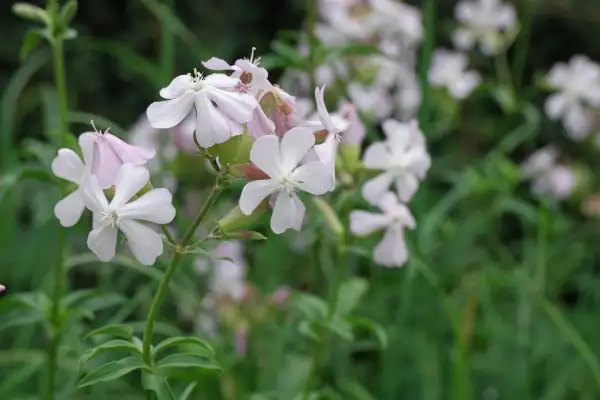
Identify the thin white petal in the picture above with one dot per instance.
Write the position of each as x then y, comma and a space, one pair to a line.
93, 196
376, 187
128, 153
377, 156
216, 64
363, 223
266, 156
69, 210
294, 146
212, 127
221, 81
168, 113
86, 143
327, 153
391, 251
145, 244
68, 166
177, 87
300, 210
322, 109
399, 134
255, 192
406, 186
313, 178
285, 213
106, 163
393, 208
103, 242
154, 206
556, 105
238, 107
130, 180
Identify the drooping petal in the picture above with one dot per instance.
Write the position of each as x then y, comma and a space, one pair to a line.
313, 178
177, 88
327, 154
376, 187
406, 186
260, 124
322, 109
418, 161
154, 206
393, 209
69, 209
93, 196
212, 127
266, 156
145, 244
86, 143
238, 107
255, 192
102, 241
168, 113
135, 155
106, 163
391, 251
294, 146
377, 156
363, 223
300, 211
220, 81
68, 166
285, 212
216, 64
130, 180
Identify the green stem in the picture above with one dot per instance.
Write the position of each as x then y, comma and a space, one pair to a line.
313, 42
61, 88
429, 18
164, 283
522, 45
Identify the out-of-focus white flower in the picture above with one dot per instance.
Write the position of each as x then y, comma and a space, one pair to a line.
549, 177
218, 101
399, 19
279, 160
68, 166
402, 156
374, 101
391, 251
228, 275
155, 206
539, 162
483, 21
449, 69
578, 92
356, 131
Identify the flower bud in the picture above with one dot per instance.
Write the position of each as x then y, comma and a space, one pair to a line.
234, 151
249, 171
236, 219
250, 235
31, 12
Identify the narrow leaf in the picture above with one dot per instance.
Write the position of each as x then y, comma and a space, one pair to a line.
185, 360
111, 371
110, 346
207, 349
350, 294
122, 331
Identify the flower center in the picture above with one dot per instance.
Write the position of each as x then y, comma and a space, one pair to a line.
252, 60
288, 186
197, 81
110, 218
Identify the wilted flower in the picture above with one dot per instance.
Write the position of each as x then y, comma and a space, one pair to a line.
391, 251
220, 107
448, 69
155, 206
402, 156
578, 92
279, 160
68, 166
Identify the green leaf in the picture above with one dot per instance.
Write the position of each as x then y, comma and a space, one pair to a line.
311, 306
92, 300
31, 12
207, 350
10, 180
332, 221
122, 331
158, 385
43, 152
352, 49
111, 371
341, 327
30, 42
350, 294
355, 391
310, 329
185, 360
68, 11
291, 53
188, 391
249, 235
110, 346
372, 326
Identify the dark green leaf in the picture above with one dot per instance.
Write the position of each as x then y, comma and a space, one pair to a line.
30, 42
349, 295
188, 391
158, 385
291, 53
122, 331
341, 327
110, 346
372, 326
68, 11
112, 371
206, 348
311, 306
99, 121
185, 360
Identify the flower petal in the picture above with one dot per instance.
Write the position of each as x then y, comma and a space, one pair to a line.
145, 244
299, 213
390, 205
391, 251
266, 156
294, 146
130, 180
377, 156
322, 109
398, 134
255, 192
221, 81
102, 242
93, 196
376, 187
106, 163
212, 127
69, 209
68, 166
168, 113
177, 87
154, 206
238, 107
286, 212
260, 124
406, 186
313, 177
363, 223
556, 105
216, 64
135, 155
86, 143
327, 153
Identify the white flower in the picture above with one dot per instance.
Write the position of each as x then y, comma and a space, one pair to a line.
448, 69
68, 166
408, 96
391, 251
279, 160
578, 92
404, 158
541, 161
372, 100
220, 106
229, 270
549, 177
483, 21
155, 206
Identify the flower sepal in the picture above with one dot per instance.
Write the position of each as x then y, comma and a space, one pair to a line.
234, 151
236, 219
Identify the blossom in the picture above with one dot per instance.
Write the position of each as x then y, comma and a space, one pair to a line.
448, 69
68, 166
391, 251
279, 160
402, 156
373, 100
549, 177
218, 101
155, 206
540, 161
228, 275
356, 131
110, 153
2, 289
578, 92
483, 21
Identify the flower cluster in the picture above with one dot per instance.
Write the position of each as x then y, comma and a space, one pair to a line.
550, 178
448, 70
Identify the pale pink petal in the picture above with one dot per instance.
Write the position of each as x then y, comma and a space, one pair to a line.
102, 242
266, 156
130, 180
154, 206
212, 127
285, 212
93, 196
260, 124
135, 155
166, 114
377, 156
398, 134
327, 153
177, 88
294, 146
391, 251
106, 163
220, 81
216, 64
390, 205
299, 211
145, 244
255, 192
406, 186
69, 209
375, 188
68, 166
556, 105
313, 178
322, 109
238, 107
86, 143
363, 223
